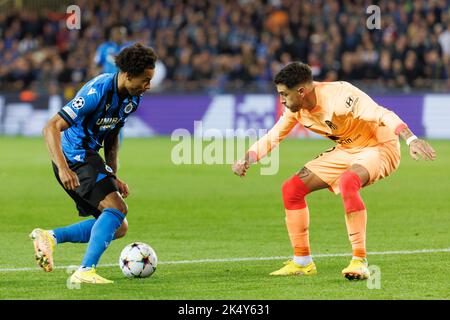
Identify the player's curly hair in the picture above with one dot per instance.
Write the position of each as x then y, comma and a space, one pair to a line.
294, 74
135, 59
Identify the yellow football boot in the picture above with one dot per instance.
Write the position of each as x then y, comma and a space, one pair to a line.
293, 269
88, 276
44, 244
357, 270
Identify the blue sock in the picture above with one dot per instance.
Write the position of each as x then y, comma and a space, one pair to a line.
76, 233
101, 235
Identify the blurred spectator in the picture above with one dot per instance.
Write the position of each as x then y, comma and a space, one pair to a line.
412, 69
444, 41
214, 46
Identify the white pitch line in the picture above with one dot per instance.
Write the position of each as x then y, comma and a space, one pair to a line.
324, 255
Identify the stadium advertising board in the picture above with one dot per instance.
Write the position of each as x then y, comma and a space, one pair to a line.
427, 115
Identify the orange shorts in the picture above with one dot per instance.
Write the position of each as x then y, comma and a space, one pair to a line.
380, 160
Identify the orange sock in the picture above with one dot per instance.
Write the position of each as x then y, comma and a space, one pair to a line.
356, 226
355, 212
297, 222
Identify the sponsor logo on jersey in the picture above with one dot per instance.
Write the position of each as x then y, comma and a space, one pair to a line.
345, 141
107, 123
340, 141
104, 121
78, 103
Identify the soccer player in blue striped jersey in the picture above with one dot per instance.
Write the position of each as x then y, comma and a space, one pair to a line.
105, 53
74, 137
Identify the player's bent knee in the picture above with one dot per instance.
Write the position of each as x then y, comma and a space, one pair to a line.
122, 207
349, 184
114, 200
294, 191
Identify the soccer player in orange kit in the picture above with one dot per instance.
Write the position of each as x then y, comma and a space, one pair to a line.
368, 149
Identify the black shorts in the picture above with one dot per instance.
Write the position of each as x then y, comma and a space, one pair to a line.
96, 182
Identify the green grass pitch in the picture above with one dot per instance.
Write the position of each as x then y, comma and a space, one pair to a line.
198, 212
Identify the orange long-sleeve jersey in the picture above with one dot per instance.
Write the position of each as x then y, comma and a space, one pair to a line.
343, 113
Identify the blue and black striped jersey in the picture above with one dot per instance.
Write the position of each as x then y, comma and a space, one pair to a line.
92, 114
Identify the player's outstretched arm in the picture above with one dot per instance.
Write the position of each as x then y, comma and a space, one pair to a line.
418, 148
364, 107
264, 145
52, 136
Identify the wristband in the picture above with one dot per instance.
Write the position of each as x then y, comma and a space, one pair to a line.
411, 139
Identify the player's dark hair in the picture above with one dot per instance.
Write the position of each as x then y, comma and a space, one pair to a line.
135, 59
294, 74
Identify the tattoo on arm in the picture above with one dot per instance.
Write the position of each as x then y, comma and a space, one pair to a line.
406, 133
303, 173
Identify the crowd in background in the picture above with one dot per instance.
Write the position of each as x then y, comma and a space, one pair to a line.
221, 45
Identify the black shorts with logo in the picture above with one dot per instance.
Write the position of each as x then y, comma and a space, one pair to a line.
96, 182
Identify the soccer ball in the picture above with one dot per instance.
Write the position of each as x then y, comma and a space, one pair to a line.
138, 260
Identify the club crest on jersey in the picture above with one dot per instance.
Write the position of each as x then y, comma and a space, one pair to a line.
331, 125
78, 103
108, 168
128, 108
